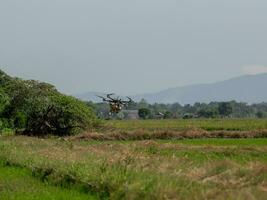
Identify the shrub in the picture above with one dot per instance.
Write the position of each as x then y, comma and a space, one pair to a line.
36, 108
20, 120
59, 115
4, 101
144, 113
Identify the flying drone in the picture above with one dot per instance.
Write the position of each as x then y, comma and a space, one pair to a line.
116, 104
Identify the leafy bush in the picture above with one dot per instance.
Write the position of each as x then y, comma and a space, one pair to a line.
59, 115
4, 101
36, 108
1, 124
144, 113
20, 120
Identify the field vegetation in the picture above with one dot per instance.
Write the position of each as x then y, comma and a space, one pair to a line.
230, 109
181, 125
146, 169
52, 146
17, 183
179, 129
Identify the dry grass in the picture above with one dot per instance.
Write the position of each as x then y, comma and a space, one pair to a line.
166, 159
148, 169
167, 134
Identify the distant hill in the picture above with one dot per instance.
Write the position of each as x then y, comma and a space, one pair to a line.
249, 88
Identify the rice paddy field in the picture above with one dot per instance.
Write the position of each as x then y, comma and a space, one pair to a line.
106, 164
200, 124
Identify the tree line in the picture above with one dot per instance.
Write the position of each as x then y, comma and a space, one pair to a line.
231, 109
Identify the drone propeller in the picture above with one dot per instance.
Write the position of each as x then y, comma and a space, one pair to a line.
104, 98
109, 96
100, 97
129, 101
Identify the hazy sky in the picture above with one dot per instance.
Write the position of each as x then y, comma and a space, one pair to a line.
132, 46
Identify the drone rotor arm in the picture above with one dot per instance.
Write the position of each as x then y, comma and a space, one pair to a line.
109, 96
105, 99
126, 102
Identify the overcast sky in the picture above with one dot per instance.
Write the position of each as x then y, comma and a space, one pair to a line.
132, 46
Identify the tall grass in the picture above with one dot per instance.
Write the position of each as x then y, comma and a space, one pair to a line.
18, 184
144, 169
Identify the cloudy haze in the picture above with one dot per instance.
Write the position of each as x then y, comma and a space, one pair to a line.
132, 46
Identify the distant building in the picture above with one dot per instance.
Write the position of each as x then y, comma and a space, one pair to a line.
131, 114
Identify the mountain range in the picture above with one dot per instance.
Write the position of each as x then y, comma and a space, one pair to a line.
248, 88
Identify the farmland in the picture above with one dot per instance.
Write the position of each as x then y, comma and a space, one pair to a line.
167, 168
17, 183
204, 124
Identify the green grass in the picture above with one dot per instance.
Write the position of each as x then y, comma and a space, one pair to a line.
221, 142
180, 125
155, 169
6, 132
133, 160
18, 184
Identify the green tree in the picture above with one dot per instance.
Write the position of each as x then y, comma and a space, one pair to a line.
167, 115
144, 113
261, 114
143, 104
225, 109
4, 101
208, 113
59, 115
36, 108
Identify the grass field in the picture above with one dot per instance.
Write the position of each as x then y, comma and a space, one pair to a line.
181, 125
180, 129
210, 168
17, 183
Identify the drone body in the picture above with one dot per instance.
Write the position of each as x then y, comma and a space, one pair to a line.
116, 104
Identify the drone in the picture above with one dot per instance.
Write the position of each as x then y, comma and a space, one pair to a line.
116, 104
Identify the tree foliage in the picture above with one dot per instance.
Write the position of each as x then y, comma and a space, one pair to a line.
144, 113
225, 109
36, 108
198, 110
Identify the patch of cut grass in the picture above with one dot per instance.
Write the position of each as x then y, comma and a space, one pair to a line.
222, 141
180, 125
